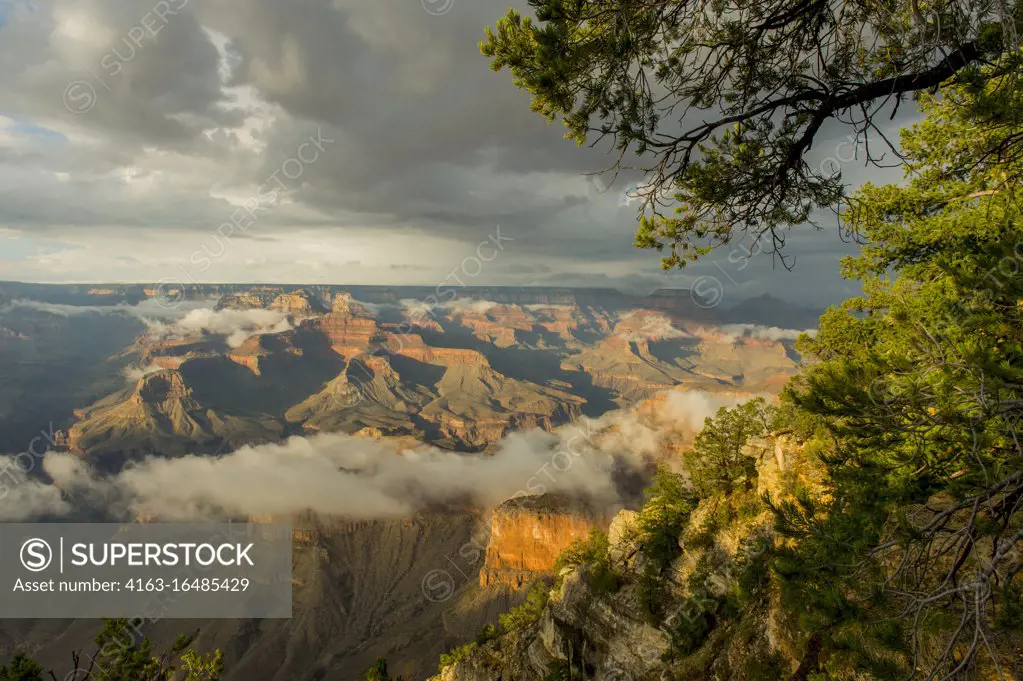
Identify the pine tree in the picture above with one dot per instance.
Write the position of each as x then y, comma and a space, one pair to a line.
919, 384
717, 464
718, 104
21, 668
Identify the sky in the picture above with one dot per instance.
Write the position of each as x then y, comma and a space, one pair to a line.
321, 141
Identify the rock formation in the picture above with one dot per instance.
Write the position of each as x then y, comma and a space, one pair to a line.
607, 633
528, 534
160, 417
348, 326
299, 303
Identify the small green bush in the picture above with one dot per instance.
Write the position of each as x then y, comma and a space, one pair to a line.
378, 672
594, 553
653, 594
21, 668
488, 633
456, 655
527, 613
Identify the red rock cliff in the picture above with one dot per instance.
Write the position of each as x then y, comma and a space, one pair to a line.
528, 535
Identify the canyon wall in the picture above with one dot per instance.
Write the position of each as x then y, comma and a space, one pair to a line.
528, 534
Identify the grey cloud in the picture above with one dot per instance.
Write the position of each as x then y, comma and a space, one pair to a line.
426, 139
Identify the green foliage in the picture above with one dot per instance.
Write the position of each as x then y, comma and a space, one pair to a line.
594, 554
750, 572
528, 612
522, 616
716, 463
123, 654
378, 672
202, 667
918, 383
769, 668
488, 633
1009, 616
660, 523
752, 84
652, 593
21, 668
456, 655
911, 393
697, 620
720, 592
664, 517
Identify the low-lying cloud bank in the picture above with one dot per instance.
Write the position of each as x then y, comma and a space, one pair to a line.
189, 318
24, 499
735, 332
367, 478
147, 309
654, 327
234, 325
134, 374
417, 309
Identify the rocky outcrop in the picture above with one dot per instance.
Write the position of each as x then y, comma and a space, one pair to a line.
164, 392
477, 405
258, 297
413, 346
171, 353
528, 534
160, 416
626, 367
445, 356
349, 327
757, 364
299, 303
606, 635
249, 354
497, 324
603, 632
248, 360
368, 397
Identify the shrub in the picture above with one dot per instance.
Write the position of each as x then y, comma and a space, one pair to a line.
488, 633
21, 668
593, 552
527, 613
456, 655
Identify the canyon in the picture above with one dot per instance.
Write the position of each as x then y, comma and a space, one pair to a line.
211, 370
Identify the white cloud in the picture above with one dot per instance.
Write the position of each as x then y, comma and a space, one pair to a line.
655, 326
146, 310
25, 499
135, 374
359, 477
759, 332
417, 309
235, 325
